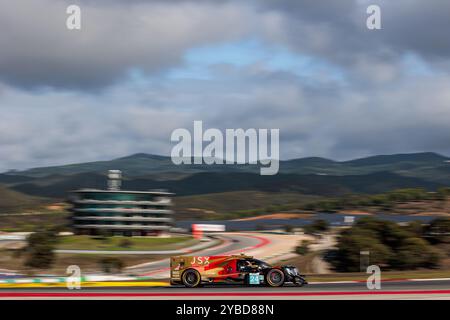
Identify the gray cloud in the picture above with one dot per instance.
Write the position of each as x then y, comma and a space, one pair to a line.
63, 127
38, 49
54, 113
116, 36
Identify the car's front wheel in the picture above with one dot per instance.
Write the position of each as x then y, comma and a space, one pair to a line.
191, 278
275, 278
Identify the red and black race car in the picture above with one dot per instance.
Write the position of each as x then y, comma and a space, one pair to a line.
193, 271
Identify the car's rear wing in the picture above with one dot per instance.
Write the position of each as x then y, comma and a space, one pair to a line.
182, 262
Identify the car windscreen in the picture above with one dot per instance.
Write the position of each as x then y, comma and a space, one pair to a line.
260, 263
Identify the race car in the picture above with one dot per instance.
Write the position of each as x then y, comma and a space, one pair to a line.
193, 271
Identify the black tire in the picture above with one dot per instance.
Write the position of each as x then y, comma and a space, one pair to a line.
191, 278
275, 278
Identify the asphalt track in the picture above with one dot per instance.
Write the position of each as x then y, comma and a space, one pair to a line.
232, 244
423, 289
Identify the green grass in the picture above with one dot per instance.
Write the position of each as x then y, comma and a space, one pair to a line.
115, 243
89, 263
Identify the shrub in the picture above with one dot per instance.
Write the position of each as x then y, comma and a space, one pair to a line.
288, 228
303, 248
416, 228
414, 253
438, 231
349, 247
317, 226
39, 249
389, 244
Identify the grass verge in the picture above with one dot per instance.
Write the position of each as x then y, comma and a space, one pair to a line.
385, 275
124, 243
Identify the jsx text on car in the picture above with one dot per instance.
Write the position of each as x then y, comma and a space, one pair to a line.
193, 271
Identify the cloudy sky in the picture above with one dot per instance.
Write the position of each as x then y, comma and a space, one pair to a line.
137, 70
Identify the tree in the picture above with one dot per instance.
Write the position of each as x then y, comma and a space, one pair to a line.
321, 225
389, 244
39, 250
350, 245
317, 226
443, 193
414, 253
288, 228
416, 228
303, 248
438, 231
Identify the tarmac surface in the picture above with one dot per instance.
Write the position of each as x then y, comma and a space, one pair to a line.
423, 289
264, 246
230, 244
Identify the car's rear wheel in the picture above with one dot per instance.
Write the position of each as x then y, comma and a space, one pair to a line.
275, 278
191, 278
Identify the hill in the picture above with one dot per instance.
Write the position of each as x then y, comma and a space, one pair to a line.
13, 201
136, 165
313, 176
162, 168
412, 158
215, 182
229, 188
